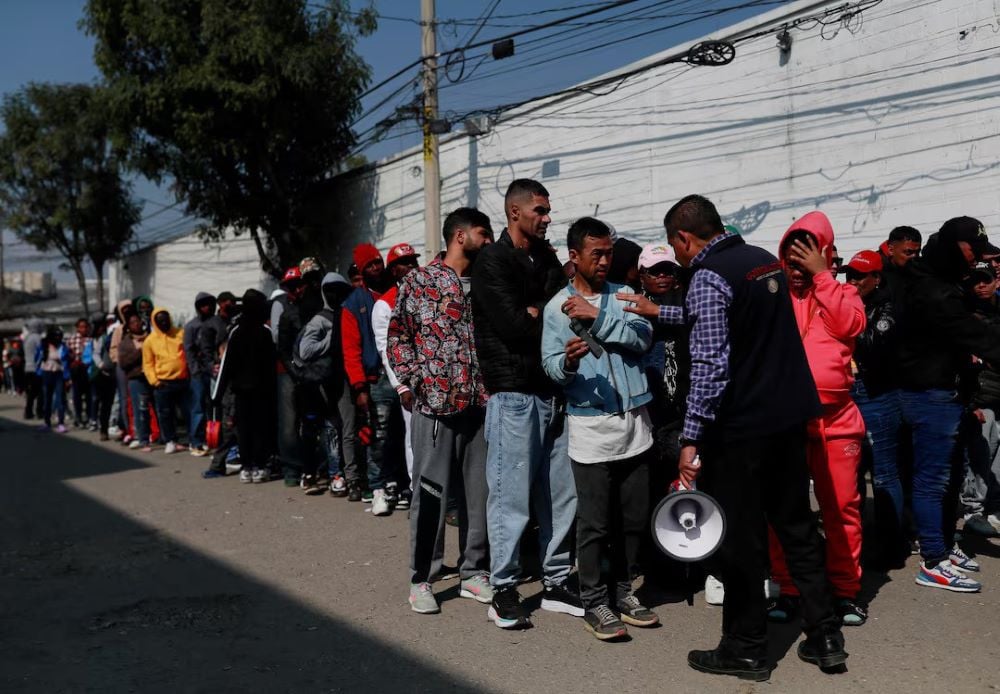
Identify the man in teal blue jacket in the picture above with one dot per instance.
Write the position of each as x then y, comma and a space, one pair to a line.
610, 433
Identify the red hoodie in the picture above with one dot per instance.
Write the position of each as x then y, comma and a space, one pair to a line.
830, 316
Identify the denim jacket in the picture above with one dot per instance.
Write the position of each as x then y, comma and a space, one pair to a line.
615, 382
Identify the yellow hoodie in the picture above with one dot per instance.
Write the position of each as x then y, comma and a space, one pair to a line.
163, 353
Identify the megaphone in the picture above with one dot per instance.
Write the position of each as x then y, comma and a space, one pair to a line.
688, 525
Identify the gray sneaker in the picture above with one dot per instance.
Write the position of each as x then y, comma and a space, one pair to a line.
603, 623
422, 599
478, 588
634, 613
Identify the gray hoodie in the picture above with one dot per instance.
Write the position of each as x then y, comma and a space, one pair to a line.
319, 333
35, 328
198, 363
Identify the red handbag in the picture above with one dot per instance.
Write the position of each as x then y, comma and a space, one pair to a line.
213, 430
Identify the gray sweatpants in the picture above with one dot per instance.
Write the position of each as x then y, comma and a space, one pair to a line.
448, 451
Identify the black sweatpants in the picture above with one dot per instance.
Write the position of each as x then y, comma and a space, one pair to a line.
255, 421
756, 482
612, 518
33, 396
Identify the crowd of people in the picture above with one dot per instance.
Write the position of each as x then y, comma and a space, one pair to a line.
502, 388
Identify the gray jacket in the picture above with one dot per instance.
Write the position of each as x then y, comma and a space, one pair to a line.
35, 329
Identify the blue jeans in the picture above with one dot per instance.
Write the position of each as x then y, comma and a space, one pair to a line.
169, 395
138, 393
883, 419
330, 439
527, 466
934, 417
200, 388
382, 458
53, 396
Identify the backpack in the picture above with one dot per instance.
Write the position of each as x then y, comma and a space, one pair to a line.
320, 369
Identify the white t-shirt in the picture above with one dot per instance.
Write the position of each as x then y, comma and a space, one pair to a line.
605, 438
608, 437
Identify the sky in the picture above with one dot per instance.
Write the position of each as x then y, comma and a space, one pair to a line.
40, 41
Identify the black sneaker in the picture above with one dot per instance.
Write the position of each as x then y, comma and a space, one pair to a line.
603, 623
506, 610
405, 497
311, 486
391, 493
783, 610
353, 491
559, 599
633, 612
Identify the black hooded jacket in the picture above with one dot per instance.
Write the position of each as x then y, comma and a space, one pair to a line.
248, 364
939, 332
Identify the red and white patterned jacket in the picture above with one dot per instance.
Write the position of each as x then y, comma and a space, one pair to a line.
431, 346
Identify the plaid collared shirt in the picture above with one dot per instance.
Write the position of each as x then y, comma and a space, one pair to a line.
76, 344
706, 312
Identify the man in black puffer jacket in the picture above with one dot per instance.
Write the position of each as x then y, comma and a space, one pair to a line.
527, 462
939, 333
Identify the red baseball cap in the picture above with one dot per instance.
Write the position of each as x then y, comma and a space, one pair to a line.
400, 251
292, 274
865, 262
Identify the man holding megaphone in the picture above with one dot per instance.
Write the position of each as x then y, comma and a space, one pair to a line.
594, 350
744, 435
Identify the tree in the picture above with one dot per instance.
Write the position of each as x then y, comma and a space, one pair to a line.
110, 219
60, 181
245, 104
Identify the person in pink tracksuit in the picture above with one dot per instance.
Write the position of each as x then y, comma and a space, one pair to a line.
830, 316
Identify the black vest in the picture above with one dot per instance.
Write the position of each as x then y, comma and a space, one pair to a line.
770, 388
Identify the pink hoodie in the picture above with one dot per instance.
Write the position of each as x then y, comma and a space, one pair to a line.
830, 316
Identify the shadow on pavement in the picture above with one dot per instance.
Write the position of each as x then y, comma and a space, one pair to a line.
95, 601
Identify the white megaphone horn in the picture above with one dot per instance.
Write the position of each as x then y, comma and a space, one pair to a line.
688, 525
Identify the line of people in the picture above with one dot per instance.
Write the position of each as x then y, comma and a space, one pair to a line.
519, 393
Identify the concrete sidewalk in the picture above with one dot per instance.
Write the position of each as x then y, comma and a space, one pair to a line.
123, 571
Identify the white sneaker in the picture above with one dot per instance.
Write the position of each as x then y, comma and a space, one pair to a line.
715, 593
994, 520
114, 431
380, 505
246, 477
133, 444
259, 475
171, 447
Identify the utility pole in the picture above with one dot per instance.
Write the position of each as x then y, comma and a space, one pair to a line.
3, 281
432, 170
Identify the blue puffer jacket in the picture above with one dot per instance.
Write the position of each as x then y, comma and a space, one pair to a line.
41, 355
616, 382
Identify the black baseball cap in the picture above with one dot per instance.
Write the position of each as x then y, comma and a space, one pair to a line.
982, 272
971, 231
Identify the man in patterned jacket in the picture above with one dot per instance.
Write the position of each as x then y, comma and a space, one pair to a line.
432, 351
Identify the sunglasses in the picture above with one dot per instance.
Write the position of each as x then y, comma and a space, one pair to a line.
853, 274
660, 271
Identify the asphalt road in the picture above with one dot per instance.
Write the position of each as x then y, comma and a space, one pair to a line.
123, 571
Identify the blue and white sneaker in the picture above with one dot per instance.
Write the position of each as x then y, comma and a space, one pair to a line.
962, 560
946, 576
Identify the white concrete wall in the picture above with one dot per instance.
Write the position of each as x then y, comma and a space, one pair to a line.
890, 120
175, 271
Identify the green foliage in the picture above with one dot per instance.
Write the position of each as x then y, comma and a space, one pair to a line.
245, 104
60, 180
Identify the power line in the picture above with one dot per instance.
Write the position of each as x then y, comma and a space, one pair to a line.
539, 27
